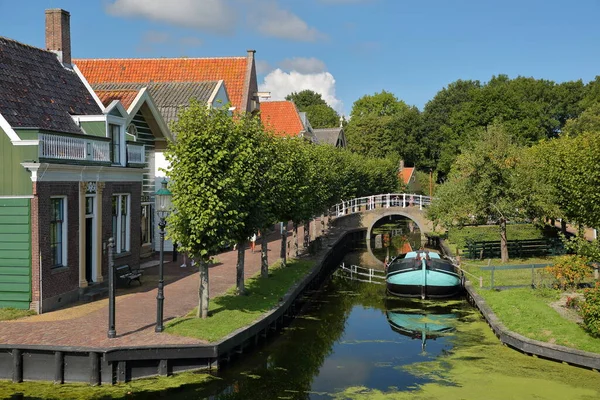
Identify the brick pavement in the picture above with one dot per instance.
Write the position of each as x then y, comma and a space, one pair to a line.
85, 325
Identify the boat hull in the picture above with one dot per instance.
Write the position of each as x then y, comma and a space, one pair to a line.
423, 278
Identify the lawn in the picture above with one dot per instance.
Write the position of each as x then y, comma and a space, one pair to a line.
229, 312
457, 237
7, 314
507, 277
528, 312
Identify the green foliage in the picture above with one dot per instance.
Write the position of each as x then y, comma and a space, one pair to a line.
569, 271
381, 125
582, 247
459, 236
318, 112
10, 313
587, 121
590, 310
230, 312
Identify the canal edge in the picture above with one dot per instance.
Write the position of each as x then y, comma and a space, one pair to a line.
529, 346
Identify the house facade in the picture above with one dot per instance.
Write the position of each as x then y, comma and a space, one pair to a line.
70, 178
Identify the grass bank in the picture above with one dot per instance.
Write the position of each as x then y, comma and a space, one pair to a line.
7, 314
507, 277
457, 237
139, 389
229, 312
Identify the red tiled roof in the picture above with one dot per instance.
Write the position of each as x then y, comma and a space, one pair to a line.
281, 118
129, 70
125, 96
406, 174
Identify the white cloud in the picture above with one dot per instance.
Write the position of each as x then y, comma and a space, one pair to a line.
271, 20
281, 83
209, 15
303, 65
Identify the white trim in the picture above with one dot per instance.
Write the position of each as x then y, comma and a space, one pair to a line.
78, 173
211, 99
117, 235
144, 96
116, 104
88, 87
10, 132
27, 143
16, 197
65, 232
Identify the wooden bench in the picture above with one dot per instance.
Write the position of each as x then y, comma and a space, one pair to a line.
126, 274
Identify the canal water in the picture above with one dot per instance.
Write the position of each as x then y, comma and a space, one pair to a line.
354, 342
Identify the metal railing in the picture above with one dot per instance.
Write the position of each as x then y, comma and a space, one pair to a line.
136, 153
60, 147
379, 201
361, 274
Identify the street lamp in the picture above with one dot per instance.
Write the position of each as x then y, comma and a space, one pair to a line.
163, 208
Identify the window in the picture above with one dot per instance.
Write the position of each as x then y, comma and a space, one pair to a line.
58, 232
114, 132
146, 224
120, 222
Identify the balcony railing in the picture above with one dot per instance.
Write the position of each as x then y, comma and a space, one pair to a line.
136, 153
60, 147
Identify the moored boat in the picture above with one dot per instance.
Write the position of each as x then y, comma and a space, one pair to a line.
422, 274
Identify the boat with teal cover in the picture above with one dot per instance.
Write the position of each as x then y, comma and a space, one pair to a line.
420, 326
423, 274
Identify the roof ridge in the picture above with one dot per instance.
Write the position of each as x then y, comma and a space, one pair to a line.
159, 58
24, 44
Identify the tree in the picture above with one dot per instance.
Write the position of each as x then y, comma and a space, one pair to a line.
587, 121
482, 185
381, 125
204, 179
318, 112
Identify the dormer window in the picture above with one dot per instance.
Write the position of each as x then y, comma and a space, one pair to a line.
114, 132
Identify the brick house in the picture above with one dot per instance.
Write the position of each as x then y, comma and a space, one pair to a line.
71, 178
172, 82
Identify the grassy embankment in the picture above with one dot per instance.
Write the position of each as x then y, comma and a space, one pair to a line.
229, 312
6, 314
526, 311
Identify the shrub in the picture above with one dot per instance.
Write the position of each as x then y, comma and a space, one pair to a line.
590, 310
569, 271
573, 302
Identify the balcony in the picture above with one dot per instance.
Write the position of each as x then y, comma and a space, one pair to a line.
136, 154
70, 148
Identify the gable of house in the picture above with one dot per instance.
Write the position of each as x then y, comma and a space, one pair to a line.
238, 73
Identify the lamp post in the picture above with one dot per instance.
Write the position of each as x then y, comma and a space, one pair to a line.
163, 208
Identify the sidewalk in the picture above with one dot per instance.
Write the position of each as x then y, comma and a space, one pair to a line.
86, 325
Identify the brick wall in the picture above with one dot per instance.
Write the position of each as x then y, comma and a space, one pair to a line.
56, 281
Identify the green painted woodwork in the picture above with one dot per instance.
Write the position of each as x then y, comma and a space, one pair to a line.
94, 128
145, 137
15, 253
27, 134
14, 179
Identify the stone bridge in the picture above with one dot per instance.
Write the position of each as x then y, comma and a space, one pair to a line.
365, 212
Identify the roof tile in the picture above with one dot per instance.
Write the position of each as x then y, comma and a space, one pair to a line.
281, 118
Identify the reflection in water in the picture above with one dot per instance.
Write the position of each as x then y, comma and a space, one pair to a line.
394, 235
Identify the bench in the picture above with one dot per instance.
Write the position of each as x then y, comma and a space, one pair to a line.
126, 274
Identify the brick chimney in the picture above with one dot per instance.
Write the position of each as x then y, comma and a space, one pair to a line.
58, 33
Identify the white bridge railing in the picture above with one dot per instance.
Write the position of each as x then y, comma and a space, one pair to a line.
379, 201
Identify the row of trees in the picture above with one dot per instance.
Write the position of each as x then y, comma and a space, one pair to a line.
230, 178
528, 109
495, 178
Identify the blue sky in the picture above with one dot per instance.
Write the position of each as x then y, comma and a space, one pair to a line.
341, 48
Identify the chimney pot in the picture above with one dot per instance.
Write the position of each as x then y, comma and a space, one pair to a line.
58, 33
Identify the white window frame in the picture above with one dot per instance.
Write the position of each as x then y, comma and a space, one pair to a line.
64, 230
149, 223
120, 122
119, 226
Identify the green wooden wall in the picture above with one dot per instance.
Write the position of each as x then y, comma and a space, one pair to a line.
14, 179
15, 253
94, 128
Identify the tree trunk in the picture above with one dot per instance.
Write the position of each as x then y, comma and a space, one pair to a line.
503, 241
239, 278
264, 260
295, 237
563, 226
306, 235
283, 253
323, 224
203, 290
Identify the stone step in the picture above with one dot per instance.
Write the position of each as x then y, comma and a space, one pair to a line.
95, 292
